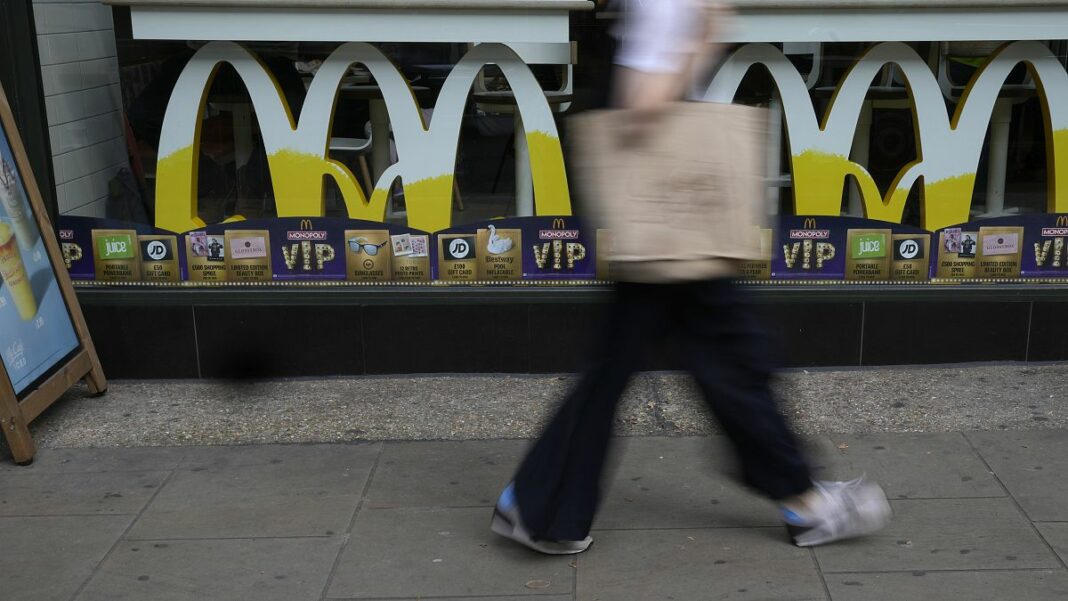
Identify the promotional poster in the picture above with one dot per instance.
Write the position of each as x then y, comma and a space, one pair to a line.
35, 327
869, 255
368, 254
1045, 248
205, 257
810, 248
1031, 246
849, 248
79, 238
501, 255
457, 257
306, 249
519, 248
1000, 251
116, 256
248, 255
159, 258
562, 248
957, 248
759, 269
912, 257
411, 257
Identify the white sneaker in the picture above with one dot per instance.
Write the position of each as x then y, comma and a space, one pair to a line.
847, 510
506, 522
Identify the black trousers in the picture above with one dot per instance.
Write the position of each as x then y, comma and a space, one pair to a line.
731, 356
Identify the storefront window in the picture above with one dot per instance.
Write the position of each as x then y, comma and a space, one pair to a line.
887, 161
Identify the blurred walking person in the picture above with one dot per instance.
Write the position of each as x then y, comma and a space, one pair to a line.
676, 285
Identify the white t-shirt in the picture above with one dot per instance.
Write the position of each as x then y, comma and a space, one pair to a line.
656, 35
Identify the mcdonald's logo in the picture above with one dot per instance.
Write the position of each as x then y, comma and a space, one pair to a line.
1061, 230
809, 231
559, 231
296, 153
307, 232
948, 149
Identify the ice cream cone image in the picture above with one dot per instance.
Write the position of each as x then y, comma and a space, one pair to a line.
14, 272
11, 199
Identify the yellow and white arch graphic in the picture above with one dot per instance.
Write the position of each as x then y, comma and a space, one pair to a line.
948, 150
297, 150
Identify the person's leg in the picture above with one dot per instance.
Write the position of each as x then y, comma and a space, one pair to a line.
732, 358
730, 353
557, 486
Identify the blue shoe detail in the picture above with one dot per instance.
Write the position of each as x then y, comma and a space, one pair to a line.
792, 518
507, 501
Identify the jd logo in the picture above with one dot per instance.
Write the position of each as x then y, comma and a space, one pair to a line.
908, 249
114, 248
869, 246
459, 249
155, 250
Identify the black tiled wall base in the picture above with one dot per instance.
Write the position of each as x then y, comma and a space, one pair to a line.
256, 341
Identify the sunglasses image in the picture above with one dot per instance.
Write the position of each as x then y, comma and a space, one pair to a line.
362, 245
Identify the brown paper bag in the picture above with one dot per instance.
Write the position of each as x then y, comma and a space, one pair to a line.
687, 201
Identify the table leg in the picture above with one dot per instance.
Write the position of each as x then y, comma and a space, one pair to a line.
774, 154
860, 155
999, 158
380, 159
524, 178
242, 116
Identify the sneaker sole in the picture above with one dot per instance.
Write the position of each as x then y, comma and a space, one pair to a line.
502, 526
871, 528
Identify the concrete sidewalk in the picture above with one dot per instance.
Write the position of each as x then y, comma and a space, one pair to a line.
472, 407
978, 515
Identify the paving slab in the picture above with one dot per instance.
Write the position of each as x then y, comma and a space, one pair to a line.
266, 491
43, 493
49, 558
507, 598
913, 466
215, 570
283, 457
725, 563
424, 553
984, 585
1056, 534
444, 474
944, 534
658, 482
1033, 465
67, 461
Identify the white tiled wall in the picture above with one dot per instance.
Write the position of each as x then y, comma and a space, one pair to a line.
80, 74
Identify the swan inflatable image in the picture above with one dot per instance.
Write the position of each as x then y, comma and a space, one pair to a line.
498, 245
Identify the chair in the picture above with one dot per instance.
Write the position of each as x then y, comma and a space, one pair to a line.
360, 147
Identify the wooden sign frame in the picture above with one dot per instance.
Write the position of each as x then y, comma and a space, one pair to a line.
16, 414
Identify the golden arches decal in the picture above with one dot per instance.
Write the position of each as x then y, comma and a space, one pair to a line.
297, 150
948, 149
